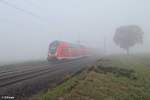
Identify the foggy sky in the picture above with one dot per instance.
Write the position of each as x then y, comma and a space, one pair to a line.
24, 36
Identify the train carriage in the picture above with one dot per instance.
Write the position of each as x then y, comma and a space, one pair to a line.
59, 50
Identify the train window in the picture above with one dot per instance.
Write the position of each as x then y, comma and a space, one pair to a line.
53, 47
65, 49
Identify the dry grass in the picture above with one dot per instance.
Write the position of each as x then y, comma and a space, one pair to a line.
113, 78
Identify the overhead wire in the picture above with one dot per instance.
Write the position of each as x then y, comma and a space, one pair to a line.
21, 9
32, 3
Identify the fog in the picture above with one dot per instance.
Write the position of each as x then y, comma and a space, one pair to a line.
28, 26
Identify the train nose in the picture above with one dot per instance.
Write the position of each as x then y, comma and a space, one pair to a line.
52, 58
49, 54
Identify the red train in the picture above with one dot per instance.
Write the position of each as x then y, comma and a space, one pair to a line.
59, 50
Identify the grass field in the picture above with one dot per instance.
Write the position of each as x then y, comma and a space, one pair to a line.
115, 77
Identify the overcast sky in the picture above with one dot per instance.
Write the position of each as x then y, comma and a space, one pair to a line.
28, 26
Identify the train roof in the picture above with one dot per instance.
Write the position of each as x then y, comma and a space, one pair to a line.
71, 44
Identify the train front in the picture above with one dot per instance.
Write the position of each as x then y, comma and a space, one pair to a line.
52, 51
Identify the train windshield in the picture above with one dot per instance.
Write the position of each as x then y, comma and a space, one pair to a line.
53, 47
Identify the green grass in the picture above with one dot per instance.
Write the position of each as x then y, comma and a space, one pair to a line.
116, 77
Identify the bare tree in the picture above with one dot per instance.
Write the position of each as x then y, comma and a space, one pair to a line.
127, 36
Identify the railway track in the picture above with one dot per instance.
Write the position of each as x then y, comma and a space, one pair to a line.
23, 68
37, 76
12, 78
